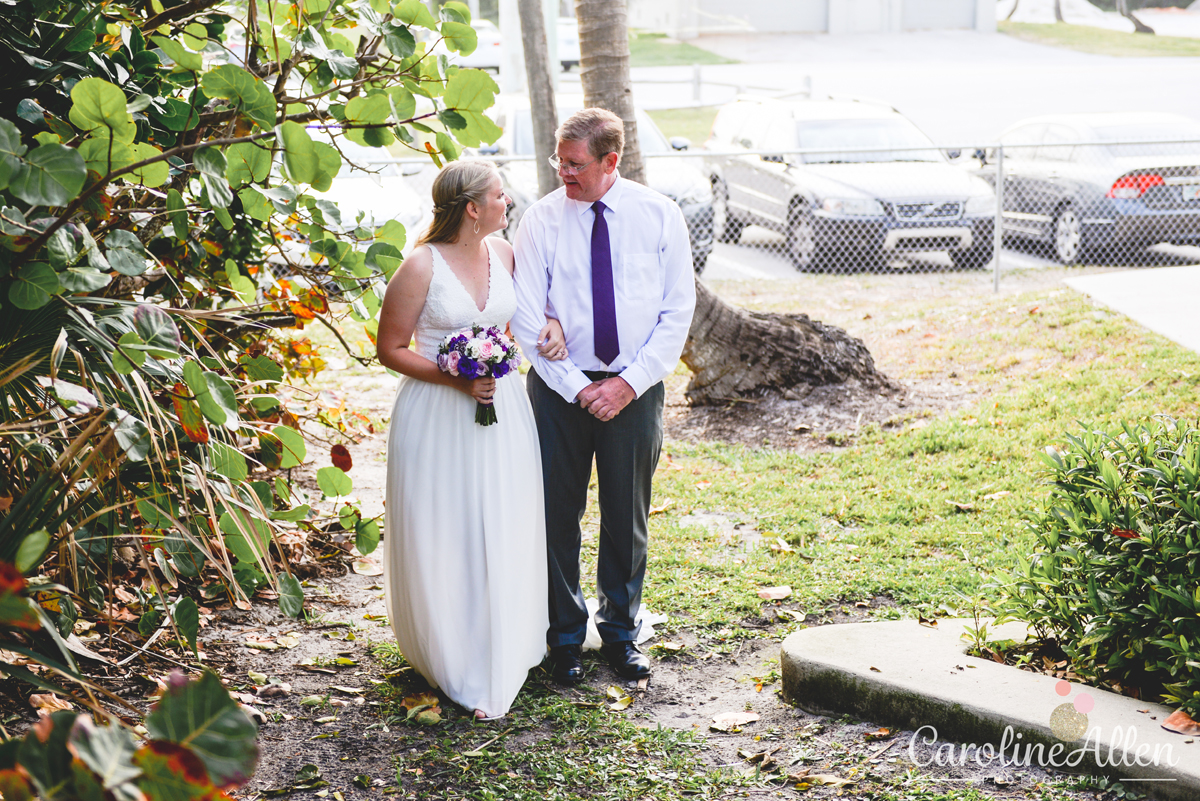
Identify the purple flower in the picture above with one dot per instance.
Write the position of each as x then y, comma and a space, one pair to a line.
470, 368
500, 369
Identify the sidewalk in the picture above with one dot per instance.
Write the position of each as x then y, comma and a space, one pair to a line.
1166, 299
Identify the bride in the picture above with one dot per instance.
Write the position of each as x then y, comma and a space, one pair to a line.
465, 542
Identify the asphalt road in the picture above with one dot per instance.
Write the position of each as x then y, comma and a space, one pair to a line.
960, 87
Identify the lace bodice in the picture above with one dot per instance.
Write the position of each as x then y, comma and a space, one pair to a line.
449, 307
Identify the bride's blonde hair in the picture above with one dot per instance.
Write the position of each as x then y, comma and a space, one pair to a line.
459, 183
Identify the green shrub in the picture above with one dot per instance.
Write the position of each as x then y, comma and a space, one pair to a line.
1114, 575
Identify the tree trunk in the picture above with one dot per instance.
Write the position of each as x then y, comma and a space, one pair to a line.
541, 91
1058, 17
1138, 25
734, 353
604, 72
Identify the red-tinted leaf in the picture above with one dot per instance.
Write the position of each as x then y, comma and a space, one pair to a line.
301, 311
1125, 533
15, 609
171, 772
341, 458
1180, 722
14, 786
190, 416
11, 579
270, 451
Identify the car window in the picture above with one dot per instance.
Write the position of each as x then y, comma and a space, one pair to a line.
1141, 132
1022, 142
749, 134
650, 137
1053, 147
779, 134
831, 138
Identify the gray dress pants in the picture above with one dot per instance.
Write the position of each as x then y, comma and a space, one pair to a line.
626, 451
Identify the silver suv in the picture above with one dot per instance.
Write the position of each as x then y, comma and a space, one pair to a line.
850, 184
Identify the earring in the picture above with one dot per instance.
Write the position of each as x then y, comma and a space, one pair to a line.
477, 226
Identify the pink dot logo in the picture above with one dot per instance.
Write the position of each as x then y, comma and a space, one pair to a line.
1069, 722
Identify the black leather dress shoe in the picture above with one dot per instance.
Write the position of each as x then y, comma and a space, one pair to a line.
566, 664
626, 659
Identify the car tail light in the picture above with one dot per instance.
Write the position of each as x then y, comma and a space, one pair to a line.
1131, 187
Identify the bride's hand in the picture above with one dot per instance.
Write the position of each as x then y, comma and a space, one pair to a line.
551, 341
481, 389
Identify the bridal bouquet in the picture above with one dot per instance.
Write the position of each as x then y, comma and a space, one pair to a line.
479, 352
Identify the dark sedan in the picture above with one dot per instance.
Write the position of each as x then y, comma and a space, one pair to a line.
848, 183
1099, 187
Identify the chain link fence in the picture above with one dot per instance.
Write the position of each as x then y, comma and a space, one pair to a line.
843, 210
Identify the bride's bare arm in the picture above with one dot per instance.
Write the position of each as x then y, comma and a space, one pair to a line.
552, 343
402, 304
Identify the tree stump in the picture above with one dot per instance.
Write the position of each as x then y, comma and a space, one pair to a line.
735, 353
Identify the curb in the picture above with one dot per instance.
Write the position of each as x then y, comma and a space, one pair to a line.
905, 674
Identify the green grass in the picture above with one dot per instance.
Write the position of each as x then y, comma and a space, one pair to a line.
926, 514
694, 123
656, 50
1100, 41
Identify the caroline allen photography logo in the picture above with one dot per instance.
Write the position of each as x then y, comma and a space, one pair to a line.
1069, 723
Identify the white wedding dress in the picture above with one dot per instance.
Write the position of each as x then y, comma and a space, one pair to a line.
466, 536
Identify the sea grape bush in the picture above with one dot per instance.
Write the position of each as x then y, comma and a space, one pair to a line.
1113, 576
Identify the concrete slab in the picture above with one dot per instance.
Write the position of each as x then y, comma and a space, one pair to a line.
904, 674
1165, 299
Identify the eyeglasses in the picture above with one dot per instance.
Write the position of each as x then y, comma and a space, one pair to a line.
570, 168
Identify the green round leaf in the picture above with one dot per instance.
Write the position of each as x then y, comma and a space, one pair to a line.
98, 106
299, 152
51, 175
294, 448
366, 536
31, 550
157, 330
234, 83
333, 482
128, 356
291, 596
248, 163
125, 252
35, 283
184, 59
228, 461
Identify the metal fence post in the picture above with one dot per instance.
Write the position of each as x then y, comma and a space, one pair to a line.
998, 233
696, 83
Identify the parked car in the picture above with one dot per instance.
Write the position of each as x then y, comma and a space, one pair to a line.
489, 46
676, 178
1105, 199
789, 165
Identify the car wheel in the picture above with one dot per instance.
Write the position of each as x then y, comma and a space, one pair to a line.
1068, 236
974, 258
802, 249
725, 227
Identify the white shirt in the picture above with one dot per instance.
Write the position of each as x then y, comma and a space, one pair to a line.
653, 282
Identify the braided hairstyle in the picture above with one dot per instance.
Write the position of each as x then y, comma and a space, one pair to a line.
459, 183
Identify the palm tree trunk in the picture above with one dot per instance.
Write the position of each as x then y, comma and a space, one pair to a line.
732, 353
541, 91
604, 72
1138, 25
1058, 17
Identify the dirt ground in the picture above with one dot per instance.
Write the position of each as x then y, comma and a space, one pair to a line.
345, 737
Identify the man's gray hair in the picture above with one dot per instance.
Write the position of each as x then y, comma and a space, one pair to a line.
603, 131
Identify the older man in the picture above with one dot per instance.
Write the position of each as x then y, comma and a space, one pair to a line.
610, 259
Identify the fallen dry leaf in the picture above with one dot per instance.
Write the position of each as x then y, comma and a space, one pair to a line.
411, 702
367, 567
995, 496
774, 593
274, 690
731, 721
703, 484
828, 780
289, 640
667, 504
621, 699
48, 702
926, 621
875, 669
878, 734
669, 646
5, 502
1181, 723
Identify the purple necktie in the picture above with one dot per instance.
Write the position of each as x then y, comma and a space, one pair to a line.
604, 304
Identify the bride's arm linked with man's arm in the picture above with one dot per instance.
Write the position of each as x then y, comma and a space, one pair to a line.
657, 319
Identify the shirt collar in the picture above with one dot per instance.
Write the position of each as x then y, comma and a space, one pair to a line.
611, 198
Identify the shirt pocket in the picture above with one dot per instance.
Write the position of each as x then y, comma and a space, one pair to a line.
642, 278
